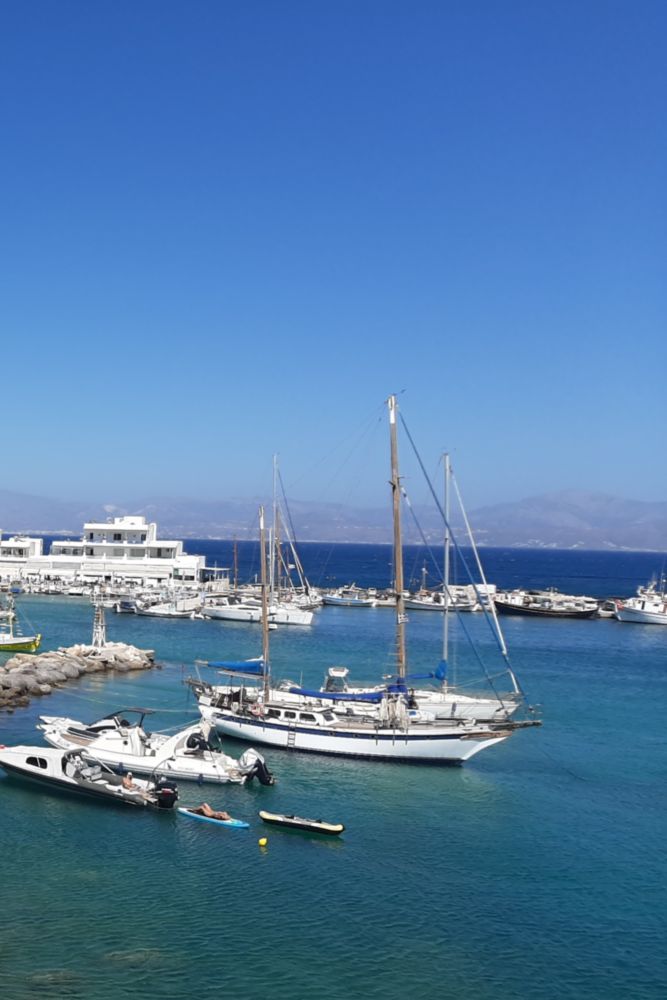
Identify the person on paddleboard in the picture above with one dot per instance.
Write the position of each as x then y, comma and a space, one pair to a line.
205, 810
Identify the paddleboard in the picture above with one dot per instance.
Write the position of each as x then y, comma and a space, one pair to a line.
302, 823
238, 824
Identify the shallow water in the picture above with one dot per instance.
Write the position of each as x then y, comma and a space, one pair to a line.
536, 871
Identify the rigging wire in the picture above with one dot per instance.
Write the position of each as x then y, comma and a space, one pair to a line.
460, 555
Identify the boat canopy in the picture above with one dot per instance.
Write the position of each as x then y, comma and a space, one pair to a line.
249, 668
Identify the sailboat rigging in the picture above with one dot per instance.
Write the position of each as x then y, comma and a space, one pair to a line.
381, 723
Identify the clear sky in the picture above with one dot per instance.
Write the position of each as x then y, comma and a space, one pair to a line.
231, 229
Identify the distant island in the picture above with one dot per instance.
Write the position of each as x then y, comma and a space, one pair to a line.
569, 519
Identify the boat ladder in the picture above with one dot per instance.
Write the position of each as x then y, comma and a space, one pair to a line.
291, 738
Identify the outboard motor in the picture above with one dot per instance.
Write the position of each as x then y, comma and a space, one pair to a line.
254, 765
166, 793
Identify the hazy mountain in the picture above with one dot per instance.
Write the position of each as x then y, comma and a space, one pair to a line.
574, 519
567, 519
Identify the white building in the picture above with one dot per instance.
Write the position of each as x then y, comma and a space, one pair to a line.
120, 549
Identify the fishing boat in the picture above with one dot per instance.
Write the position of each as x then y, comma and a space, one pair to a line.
75, 771
390, 729
12, 639
301, 823
648, 607
349, 597
545, 604
120, 741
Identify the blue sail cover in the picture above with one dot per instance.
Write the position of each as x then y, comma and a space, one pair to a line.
251, 668
439, 674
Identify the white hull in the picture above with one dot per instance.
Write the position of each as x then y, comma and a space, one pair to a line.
278, 615
131, 749
625, 614
418, 743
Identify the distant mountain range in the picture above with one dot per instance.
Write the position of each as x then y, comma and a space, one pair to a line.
570, 519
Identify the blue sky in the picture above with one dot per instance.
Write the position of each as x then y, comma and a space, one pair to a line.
230, 230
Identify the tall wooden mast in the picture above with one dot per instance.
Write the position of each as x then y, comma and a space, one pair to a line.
398, 544
265, 605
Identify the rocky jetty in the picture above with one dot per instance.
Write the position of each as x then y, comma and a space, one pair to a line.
28, 675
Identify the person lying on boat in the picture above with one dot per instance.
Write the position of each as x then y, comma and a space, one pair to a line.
205, 810
129, 783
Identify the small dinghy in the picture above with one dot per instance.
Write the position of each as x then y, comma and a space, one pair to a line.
301, 823
237, 824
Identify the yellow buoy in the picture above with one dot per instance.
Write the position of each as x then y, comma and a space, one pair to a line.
262, 842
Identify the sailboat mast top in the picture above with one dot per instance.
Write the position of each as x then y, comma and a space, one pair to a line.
398, 544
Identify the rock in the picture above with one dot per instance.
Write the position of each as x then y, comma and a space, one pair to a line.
71, 670
37, 674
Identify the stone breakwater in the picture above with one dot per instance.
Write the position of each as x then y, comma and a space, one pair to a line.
28, 675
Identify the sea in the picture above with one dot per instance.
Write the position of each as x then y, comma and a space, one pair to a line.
535, 871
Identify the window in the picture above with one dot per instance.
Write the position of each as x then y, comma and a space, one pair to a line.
36, 762
290, 715
272, 713
90, 536
306, 717
90, 552
117, 536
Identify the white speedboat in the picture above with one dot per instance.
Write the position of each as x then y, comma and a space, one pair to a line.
122, 745
648, 607
75, 771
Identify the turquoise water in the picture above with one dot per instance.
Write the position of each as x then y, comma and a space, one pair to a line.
536, 871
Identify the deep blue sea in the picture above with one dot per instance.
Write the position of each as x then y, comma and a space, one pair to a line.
536, 871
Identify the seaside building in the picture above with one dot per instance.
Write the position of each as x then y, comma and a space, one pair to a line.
121, 549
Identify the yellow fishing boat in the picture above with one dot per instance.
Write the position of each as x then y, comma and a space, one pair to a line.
12, 641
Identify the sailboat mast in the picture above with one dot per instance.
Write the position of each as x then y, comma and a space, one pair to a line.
398, 544
445, 580
265, 605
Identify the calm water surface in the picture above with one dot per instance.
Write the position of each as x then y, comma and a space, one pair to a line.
536, 871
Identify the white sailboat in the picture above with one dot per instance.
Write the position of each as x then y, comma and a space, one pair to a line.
389, 730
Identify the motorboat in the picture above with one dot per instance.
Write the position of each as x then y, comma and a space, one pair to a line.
648, 607
76, 771
120, 741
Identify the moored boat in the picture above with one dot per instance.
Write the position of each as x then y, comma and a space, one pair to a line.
11, 638
648, 607
544, 604
75, 771
187, 755
391, 729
